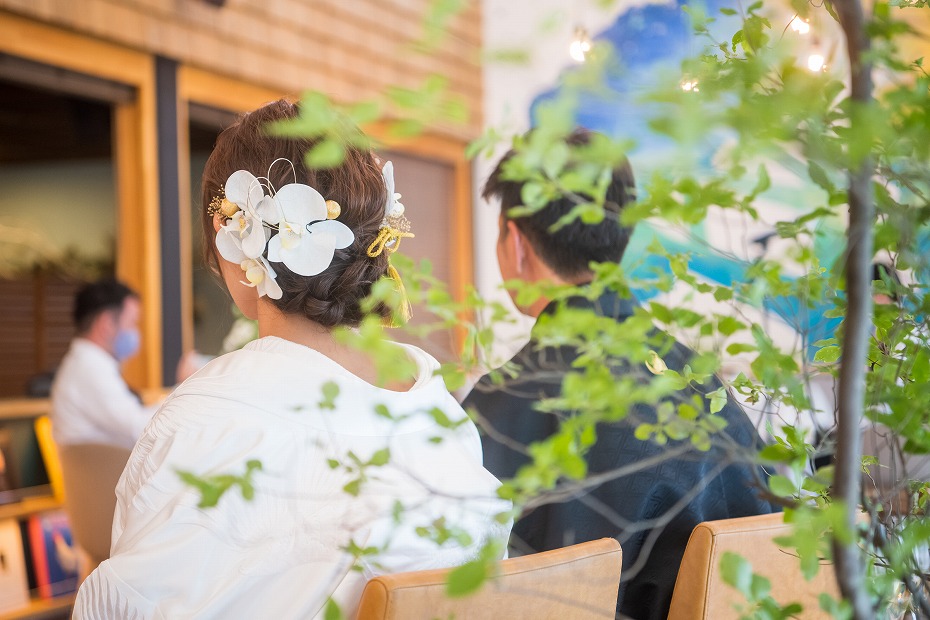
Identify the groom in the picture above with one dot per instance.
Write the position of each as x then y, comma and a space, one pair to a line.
687, 489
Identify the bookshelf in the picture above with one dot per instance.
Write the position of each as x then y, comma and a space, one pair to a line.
43, 609
12, 409
28, 507
38, 608
18, 408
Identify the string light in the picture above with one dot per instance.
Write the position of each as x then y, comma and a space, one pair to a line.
801, 26
815, 60
580, 45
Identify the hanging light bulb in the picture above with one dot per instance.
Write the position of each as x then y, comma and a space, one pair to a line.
580, 45
801, 26
815, 60
690, 85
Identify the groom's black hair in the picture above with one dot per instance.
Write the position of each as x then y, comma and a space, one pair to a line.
569, 250
98, 297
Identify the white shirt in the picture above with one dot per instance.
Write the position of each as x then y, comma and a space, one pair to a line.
280, 555
91, 402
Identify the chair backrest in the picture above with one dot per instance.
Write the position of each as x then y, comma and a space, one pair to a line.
700, 592
578, 582
43, 428
91, 472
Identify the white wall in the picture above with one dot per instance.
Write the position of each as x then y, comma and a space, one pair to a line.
544, 29
67, 204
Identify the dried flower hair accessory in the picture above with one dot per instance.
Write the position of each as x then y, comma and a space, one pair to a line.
307, 233
394, 228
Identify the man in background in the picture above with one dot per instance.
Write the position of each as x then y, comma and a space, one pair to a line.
91, 402
653, 511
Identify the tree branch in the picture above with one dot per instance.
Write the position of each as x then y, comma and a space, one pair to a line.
846, 487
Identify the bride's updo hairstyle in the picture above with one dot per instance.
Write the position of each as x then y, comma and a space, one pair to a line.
333, 297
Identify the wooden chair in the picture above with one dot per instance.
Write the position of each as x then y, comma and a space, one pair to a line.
578, 582
700, 592
90, 473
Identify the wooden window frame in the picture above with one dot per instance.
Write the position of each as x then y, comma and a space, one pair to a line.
201, 87
135, 158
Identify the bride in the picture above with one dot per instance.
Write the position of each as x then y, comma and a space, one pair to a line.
287, 473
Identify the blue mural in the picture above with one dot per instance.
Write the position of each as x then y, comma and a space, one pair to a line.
651, 42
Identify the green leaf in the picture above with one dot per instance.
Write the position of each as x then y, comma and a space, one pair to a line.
764, 181
353, 487
333, 611
555, 159
330, 391
828, 355
380, 458
533, 195
440, 417
467, 578
760, 587
782, 485
453, 376
326, 154
406, 128
364, 112
727, 325
718, 399
736, 572
687, 412
819, 176
777, 453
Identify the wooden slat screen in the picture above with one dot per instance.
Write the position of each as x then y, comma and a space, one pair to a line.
35, 328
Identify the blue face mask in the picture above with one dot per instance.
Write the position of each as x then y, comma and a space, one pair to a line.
126, 344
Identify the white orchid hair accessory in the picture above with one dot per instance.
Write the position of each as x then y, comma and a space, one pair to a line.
308, 234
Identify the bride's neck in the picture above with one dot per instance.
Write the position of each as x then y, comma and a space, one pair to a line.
273, 322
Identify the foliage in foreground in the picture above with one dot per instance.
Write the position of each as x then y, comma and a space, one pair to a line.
774, 115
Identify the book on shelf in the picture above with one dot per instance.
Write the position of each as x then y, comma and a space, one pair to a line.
14, 585
22, 471
55, 559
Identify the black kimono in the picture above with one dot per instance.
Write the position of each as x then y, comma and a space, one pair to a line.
613, 508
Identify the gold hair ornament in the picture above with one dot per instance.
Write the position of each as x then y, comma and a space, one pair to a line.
221, 206
394, 228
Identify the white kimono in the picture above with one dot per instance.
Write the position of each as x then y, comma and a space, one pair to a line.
282, 554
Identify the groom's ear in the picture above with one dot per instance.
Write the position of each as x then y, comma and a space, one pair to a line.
517, 244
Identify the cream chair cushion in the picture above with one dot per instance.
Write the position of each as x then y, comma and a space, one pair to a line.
90, 473
578, 582
700, 592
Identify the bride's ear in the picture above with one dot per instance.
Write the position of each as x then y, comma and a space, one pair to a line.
245, 297
218, 221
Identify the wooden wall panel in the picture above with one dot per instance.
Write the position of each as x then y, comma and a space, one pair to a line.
351, 50
35, 330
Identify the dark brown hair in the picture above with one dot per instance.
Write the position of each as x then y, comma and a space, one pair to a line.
569, 250
333, 297
98, 297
